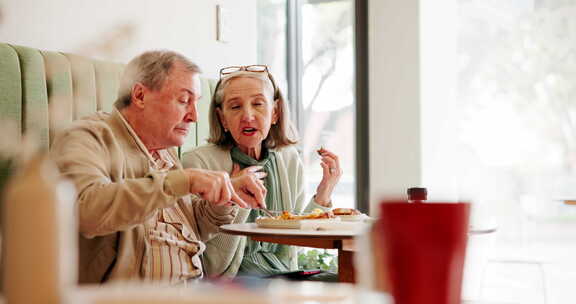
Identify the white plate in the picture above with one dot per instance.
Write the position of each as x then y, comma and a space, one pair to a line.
265, 222
353, 218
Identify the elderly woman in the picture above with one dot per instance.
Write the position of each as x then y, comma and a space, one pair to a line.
250, 133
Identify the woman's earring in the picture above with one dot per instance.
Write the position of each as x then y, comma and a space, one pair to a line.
225, 130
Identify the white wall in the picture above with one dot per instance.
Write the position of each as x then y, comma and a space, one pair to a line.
395, 162
412, 66
438, 80
118, 30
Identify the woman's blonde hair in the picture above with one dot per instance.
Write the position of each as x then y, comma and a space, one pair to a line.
281, 134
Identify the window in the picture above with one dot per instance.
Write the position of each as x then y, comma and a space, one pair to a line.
517, 92
516, 95
310, 48
272, 27
327, 104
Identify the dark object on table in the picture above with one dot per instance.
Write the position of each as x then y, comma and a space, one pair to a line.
298, 275
417, 195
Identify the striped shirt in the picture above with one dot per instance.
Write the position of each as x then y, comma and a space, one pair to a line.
172, 252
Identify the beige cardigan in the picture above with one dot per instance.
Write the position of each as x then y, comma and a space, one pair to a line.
224, 253
117, 191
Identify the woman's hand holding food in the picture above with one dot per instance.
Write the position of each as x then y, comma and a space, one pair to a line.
249, 186
331, 173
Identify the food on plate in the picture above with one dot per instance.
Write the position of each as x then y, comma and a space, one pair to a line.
346, 211
314, 215
350, 215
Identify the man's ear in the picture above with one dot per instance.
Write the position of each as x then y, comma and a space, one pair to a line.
137, 95
221, 118
275, 112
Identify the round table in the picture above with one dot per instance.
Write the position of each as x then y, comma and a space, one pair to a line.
342, 240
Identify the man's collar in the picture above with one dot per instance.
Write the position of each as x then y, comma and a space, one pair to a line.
134, 135
162, 159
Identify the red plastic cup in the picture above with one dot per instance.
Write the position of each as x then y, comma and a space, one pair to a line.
421, 250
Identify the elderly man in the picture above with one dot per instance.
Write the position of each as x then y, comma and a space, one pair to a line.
136, 217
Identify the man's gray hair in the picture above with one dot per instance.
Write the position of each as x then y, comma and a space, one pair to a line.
150, 69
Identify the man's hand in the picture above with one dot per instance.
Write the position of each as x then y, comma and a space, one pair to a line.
213, 186
249, 185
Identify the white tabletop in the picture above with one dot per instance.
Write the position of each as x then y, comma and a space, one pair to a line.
253, 229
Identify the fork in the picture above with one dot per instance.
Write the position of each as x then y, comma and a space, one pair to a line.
268, 212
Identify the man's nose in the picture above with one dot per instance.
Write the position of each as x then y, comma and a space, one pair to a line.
192, 113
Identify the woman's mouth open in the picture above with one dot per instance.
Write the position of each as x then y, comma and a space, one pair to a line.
249, 131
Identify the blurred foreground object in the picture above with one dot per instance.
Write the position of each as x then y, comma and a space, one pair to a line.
39, 235
419, 251
275, 291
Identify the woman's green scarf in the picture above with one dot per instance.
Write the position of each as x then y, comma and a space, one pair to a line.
263, 258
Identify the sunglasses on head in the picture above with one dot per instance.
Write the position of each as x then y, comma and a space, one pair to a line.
255, 68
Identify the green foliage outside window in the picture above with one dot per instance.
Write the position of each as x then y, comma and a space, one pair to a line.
318, 259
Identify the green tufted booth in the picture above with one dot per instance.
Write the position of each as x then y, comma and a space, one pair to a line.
32, 79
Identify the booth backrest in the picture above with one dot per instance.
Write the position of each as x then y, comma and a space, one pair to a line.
31, 80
